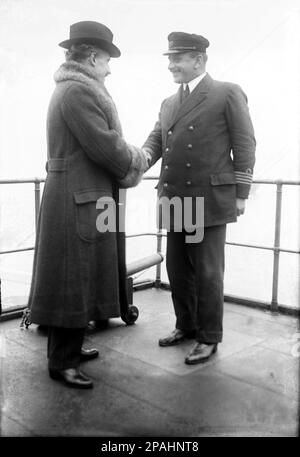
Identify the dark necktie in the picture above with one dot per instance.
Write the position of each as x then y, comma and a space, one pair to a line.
185, 93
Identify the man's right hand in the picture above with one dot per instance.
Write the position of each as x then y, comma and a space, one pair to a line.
148, 153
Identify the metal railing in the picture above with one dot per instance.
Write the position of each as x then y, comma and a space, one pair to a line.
276, 248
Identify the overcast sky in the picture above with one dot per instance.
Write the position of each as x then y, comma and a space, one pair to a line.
254, 43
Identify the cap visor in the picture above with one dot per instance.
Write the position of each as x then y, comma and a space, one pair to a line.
179, 51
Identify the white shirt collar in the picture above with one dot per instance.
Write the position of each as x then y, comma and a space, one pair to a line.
192, 84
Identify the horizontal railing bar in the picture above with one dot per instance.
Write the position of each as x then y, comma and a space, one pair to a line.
289, 251
143, 234
276, 181
16, 250
254, 246
142, 283
22, 181
268, 248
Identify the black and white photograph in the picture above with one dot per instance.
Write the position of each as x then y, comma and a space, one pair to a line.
149, 223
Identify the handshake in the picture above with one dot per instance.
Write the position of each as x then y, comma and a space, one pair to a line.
140, 163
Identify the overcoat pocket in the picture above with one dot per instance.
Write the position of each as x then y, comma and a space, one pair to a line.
89, 204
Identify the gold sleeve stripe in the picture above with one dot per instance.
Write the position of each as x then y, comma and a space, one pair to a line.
243, 178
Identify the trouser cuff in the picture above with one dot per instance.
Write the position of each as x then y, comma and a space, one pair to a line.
209, 337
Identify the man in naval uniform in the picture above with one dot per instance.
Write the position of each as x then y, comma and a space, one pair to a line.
205, 138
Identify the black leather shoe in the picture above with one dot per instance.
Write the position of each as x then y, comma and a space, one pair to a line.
88, 354
73, 377
201, 353
177, 336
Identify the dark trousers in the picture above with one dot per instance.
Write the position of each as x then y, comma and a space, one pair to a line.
64, 346
196, 273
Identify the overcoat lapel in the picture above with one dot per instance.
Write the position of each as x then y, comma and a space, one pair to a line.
198, 95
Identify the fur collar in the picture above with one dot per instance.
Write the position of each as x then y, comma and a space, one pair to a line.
75, 71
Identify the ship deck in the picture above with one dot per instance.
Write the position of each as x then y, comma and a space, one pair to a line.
249, 388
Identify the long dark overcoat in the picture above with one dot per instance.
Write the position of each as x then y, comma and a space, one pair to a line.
78, 272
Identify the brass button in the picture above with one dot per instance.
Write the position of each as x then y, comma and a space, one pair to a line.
188, 183
190, 146
167, 149
191, 128
170, 132
166, 167
188, 165
165, 184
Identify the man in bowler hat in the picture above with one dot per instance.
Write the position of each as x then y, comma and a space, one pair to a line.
205, 138
79, 273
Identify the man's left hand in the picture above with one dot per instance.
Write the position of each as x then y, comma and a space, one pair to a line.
240, 206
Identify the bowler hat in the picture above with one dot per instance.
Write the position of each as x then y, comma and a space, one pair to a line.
185, 42
91, 32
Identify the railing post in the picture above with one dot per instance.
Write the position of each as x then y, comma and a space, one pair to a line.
274, 303
37, 198
158, 266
